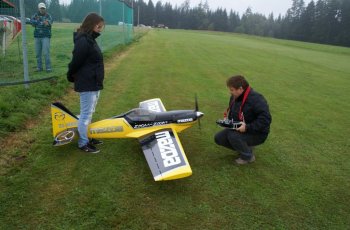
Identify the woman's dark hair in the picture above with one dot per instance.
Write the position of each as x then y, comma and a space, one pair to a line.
90, 21
237, 82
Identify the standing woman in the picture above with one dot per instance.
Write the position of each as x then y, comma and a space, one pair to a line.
86, 70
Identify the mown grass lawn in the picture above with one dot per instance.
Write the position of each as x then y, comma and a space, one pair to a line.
299, 181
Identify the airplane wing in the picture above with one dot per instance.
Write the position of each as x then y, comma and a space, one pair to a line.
154, 104
165, 155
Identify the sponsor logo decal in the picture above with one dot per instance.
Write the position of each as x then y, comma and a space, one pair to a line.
167, 149
185, 120
154, 106
150, 124
142, 126
59, 116
64, 137
68, 125
111, 129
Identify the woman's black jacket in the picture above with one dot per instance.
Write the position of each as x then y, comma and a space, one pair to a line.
255, 112
86, 69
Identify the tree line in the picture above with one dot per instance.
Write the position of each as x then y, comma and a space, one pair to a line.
321, 21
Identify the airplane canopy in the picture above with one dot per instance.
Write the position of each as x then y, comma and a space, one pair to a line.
141, 115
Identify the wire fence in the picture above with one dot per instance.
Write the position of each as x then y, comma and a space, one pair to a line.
118, 31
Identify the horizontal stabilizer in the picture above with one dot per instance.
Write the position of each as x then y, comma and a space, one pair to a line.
165, 155
64, 124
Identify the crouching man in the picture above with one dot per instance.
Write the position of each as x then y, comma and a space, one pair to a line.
251, 111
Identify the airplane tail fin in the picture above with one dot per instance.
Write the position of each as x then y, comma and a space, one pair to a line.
64, 124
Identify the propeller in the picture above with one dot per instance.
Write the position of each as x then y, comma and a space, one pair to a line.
198, 114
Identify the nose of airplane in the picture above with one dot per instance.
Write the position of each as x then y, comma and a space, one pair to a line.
199, 114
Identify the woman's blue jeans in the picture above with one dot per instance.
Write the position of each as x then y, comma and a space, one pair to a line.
42, 47
88, 102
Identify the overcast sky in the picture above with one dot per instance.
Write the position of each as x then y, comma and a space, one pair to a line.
258, 6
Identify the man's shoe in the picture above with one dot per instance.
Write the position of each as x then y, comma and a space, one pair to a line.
240, 161
49, 70
89, 148
95, 142
38, 70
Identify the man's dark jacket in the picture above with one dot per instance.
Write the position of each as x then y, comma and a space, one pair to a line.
86, 69
41, 30
255, 111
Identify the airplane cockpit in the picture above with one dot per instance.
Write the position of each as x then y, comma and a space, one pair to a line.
140, 114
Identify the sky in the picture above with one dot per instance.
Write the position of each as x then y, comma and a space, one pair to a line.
258, 6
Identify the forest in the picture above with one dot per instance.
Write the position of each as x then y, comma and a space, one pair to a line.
322, 21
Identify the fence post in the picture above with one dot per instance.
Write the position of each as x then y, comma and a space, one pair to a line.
101, 16
24, 43
124, 22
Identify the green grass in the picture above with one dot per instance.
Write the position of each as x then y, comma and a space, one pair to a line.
18, 104
11, 63
299, 181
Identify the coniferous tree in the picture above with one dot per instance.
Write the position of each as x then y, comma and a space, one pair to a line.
31, 7
76, 11
324, 21
55, 10
220, 20
159, 14
270, 26
233, 21
139, 16
294, 18
334, 20
278, 26
319, 29
344, 35
149, 14
307, 21
169, 17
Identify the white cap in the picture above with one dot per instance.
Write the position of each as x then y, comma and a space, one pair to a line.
41, 5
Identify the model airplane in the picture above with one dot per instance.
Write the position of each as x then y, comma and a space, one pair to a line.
154, 127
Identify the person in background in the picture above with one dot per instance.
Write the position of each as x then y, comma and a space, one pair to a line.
251, 110
42, 22
86, 70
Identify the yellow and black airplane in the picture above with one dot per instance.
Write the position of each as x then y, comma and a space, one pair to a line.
154, 127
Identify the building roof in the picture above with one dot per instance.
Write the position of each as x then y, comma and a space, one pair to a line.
6, 4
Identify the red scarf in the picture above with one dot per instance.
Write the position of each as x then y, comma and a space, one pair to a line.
240, 114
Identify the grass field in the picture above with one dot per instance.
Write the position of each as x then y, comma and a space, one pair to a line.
17, 104
299, 181
60, 50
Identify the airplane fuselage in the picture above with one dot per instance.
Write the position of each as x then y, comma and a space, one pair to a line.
135, 124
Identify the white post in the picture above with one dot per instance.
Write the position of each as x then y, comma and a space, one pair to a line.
138, 14
24, 42
4, 42
123, 22
100, 7
132, 18
101, 16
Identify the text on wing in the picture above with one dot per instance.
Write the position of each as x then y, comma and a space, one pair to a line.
167, 149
